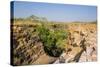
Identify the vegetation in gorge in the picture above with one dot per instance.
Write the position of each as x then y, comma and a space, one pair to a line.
54, 41
35, 37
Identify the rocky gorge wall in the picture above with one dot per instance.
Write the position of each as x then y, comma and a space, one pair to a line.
82, 44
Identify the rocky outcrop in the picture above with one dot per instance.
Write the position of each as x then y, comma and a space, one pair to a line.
82, 42
27, 47
85, 37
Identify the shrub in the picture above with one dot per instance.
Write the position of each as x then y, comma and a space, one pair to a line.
54, 41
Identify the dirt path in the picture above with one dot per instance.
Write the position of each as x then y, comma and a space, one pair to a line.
45, 59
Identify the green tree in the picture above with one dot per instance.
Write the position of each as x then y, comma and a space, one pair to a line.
54, 41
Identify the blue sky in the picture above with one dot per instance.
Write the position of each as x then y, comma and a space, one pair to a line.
55, 12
